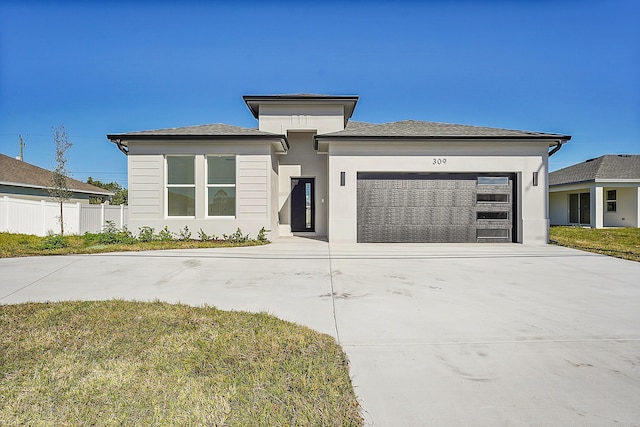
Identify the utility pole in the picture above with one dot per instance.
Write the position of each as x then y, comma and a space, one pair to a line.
21, 147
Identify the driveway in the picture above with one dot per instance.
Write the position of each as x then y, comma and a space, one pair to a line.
436, 334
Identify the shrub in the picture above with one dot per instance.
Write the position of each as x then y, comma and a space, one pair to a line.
165, 234
204, 237
54, 241
184, 234
146, 234
262, 235
236, 237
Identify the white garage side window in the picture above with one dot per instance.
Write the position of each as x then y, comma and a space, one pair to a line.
221, 185
180, 200
493, 180
611, 201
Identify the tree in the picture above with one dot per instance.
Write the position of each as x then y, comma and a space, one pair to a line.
120, 196
59, 190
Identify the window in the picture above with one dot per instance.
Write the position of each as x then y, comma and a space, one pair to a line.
496, 198
493, 180
492, 215
611, 201
221, 185
181, 188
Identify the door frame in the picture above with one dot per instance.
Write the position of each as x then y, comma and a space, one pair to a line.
312, 181
580, 209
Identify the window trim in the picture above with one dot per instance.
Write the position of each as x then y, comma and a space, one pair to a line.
207, 185
167, 186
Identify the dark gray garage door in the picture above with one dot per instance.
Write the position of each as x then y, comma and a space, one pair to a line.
435, 208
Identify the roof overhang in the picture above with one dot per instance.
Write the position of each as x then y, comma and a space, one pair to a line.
320, 142
279, 142
347, 101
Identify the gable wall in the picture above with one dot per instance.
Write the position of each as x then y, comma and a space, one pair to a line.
321, 119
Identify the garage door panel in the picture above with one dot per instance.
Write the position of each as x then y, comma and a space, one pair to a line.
433, 208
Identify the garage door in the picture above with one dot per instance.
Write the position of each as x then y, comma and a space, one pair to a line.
435, 208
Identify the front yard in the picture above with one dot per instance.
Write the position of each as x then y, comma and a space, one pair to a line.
133, 363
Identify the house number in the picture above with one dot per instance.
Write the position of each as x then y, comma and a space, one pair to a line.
439, 161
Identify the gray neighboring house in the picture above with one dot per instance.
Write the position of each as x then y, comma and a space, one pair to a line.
308, 170
600, 192
21, 180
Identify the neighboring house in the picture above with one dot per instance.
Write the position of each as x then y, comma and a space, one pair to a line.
307, 170
22, 180
601, 192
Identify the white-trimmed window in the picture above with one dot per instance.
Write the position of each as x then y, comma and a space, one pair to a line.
221, 185
180, 186
611, 200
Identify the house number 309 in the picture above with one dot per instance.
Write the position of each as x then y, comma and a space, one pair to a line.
439, 161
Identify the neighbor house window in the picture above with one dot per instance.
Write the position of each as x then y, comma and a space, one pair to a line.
611, 201
181, 187
221, 185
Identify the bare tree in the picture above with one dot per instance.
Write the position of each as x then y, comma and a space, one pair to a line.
59, 190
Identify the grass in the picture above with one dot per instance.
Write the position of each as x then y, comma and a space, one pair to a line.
17, 245
617, 242
132, 363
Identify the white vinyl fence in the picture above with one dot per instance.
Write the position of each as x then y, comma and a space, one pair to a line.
41, 217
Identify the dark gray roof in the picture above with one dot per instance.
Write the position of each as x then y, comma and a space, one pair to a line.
216, 129
21, 174
422, 129
607, 167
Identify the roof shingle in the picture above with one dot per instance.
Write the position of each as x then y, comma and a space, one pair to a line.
217, 129
417, 128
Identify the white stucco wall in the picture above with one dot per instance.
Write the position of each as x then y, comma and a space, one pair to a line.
254, 175
522, 158
282, 118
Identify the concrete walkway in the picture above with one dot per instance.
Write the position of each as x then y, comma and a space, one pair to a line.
436, 334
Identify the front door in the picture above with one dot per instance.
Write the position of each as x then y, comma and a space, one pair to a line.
302, 204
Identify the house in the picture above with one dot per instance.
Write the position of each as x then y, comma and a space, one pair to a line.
308, 170
21, 180
600, 192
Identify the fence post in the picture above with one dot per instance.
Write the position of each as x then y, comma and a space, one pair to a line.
79, 218
102, 223
5, 200
44, 217
121, 216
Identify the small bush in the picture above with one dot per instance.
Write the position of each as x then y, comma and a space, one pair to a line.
184, 234
165, 235
146, 234
262, 235
236, 237
202, 235
54, 241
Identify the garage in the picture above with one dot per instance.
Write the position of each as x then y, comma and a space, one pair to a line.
435, 208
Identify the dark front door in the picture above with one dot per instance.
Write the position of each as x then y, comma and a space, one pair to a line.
302, 204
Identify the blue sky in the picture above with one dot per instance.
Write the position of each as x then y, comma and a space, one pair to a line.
570, 67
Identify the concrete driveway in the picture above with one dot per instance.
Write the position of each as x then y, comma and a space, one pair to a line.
436, 334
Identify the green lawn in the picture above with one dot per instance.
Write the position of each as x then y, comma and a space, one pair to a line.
139, 364
617, 242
